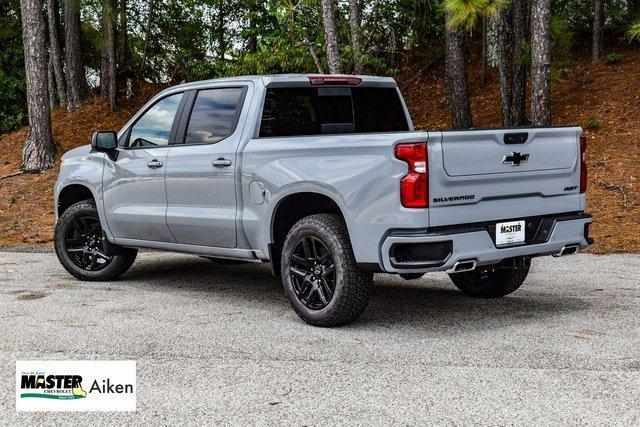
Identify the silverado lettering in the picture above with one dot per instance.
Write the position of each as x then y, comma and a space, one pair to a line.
453, 198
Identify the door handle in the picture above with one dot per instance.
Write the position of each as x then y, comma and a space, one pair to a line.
154, 164
221, 162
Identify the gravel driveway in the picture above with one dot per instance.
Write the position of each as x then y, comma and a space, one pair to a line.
219, 344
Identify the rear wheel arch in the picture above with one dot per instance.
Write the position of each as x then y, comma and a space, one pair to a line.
292, 208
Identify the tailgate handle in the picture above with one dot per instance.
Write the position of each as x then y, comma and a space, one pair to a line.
516, 138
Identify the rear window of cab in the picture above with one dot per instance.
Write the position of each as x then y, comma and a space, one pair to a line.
331, 110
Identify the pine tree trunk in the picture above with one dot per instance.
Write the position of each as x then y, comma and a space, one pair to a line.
222, 48
503, 69
54, 43
519, 85
540, 63
598, 29
110, 86
104, 64
457, 78
147, 34
51, 85
76, 78
123, 39
482, 72
355, 19
252, 43
331, 37
398, 45
37, 154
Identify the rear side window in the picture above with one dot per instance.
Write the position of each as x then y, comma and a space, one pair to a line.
331, 110
378, 110
214, 115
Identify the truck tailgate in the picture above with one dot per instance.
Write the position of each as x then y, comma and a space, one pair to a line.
494, 174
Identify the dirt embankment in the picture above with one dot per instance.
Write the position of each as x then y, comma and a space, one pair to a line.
26, 200
607, 95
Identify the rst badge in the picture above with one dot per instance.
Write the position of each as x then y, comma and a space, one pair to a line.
82, 385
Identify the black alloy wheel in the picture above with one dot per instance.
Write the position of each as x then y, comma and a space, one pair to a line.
84, 244
80, 245
313, 273
319, 272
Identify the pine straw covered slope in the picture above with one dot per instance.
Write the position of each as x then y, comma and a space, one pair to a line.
609, 93
26, 201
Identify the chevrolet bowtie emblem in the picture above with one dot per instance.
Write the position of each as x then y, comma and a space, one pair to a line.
515, 158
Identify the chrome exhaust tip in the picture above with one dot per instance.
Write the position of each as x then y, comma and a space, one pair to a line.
568, 250
463, 266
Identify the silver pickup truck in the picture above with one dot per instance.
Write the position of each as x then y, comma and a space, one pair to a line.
324, 178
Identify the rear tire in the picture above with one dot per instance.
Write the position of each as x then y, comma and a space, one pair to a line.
491, 281
319, 272
78, 241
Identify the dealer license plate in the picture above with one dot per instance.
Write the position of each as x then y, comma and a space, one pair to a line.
509, 233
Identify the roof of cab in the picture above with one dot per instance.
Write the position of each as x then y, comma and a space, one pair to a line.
293, 79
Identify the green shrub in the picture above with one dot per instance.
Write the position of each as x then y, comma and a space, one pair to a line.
594, 123
613, 58
634, 31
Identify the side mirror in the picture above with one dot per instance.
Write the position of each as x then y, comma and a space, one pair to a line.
104, 141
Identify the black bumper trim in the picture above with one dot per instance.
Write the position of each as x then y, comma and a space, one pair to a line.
538, 229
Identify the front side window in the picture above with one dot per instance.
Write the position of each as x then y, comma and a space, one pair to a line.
154, 127
214, 115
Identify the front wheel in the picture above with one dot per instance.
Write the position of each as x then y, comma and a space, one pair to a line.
492, 281
79, 244
319, 272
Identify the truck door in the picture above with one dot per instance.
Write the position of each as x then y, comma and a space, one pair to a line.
202, 166
134, 187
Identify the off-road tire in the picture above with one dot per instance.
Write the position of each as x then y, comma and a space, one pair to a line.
353, 286
118, 265
497, 283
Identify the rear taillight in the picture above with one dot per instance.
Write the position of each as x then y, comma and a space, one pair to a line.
414, 186
583, 164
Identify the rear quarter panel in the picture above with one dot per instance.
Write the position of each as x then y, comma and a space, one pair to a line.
359, 172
